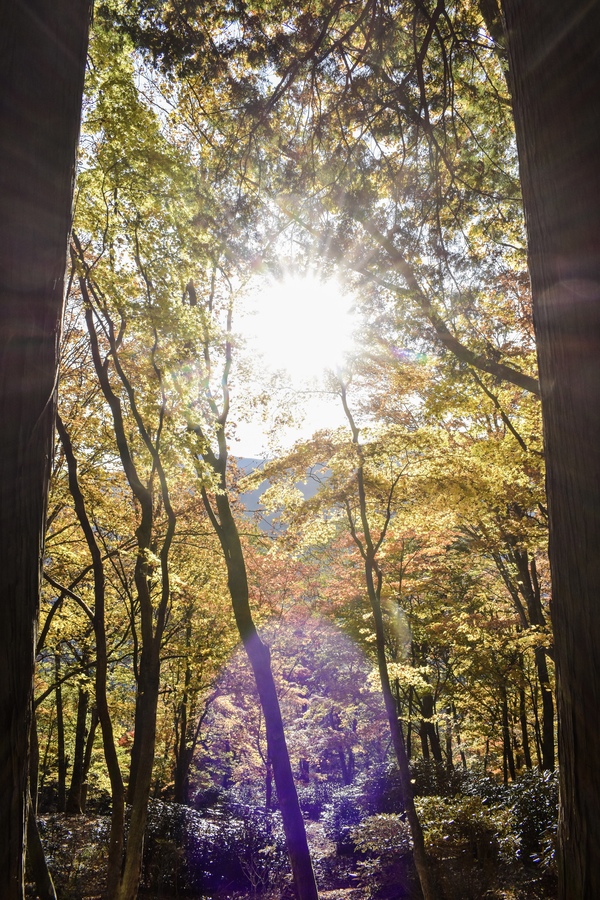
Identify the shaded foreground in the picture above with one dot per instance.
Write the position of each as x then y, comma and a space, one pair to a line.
484, 841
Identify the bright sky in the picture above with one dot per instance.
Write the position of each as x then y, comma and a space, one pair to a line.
300, 326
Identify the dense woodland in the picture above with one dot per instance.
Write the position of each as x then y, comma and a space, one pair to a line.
350, 693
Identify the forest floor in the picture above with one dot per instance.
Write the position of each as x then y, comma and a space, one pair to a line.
77, 856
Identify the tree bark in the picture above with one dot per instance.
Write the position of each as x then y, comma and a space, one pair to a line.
74, 796
430, 739
530, 589
87, 756
427, 880
368, 548
524, 730
152, 617
526, 585
43, 47
37, 867
117, 822
507, 753
183, 753
260, 660
61, 758
554, 50
36, 860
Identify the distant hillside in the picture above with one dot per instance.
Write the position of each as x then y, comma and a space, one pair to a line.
251, 499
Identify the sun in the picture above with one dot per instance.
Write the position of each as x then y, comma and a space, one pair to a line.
302, 324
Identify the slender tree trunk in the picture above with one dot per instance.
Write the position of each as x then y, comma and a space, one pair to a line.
152, 618
42, 59
508, 756
73, 804
36, 860
60, 740
269, 785
554, 50
117, 822
181, 787
260, 660
456, 728
449, 751
527, 586
44, 766
430, 739
411, 692
87, 756
547, 735
530, 589
524, 730
145, 715
37, 866
373, 581
347, 766
426, 878
424, 744
148, 688
183, 754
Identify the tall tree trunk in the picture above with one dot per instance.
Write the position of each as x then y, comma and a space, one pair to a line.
430, 739
260, 660
530, 589
449, 752
269, 786
368, 548
554, 50
152, 618
87, 756
146, 710
426, 877
36, 860
181, 784
524, 729
183, 756
456, 729
60, 740
526, 585
37, 867
547, 735
42, 61
73, 803
117, 822
508, 756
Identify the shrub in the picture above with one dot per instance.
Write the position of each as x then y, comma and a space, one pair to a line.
385, 835
255, 839
433, 779
188, 852
313, 797
385, 843
345, 810
488, 789
76, 852
209, 798
382, 791
465, 827
534, 802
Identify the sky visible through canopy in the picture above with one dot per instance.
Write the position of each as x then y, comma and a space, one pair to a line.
296, 329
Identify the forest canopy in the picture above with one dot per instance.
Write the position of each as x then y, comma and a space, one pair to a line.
391, 592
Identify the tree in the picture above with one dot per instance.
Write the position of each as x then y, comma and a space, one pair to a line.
369, 545
365, 479
221, 515
42, 60
555, 75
